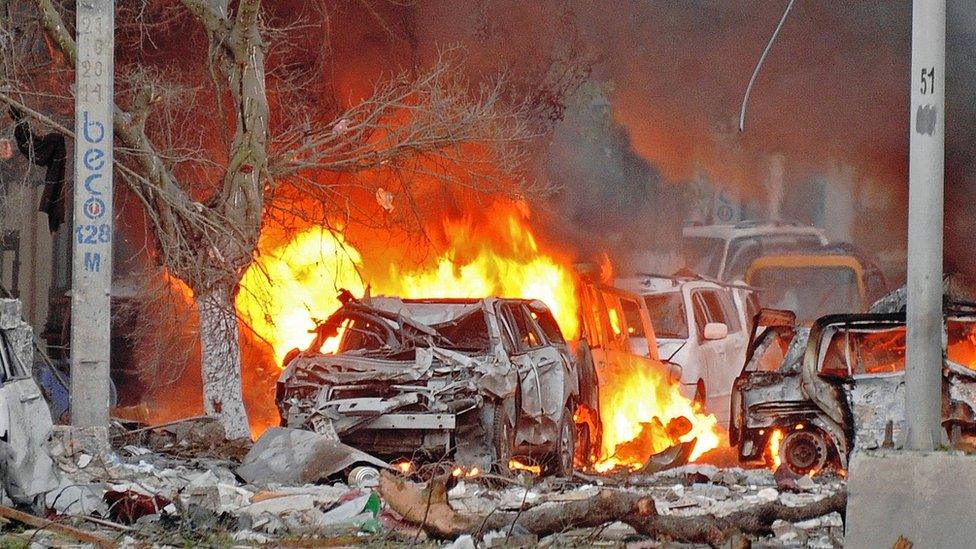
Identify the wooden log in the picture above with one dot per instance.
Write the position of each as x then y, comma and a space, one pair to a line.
57, 528
427, 506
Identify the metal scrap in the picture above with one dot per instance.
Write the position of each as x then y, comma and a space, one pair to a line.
290, 456
26, 468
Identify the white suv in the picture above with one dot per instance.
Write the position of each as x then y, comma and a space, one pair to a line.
723, 252
702, 327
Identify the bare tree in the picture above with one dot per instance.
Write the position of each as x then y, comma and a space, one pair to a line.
206, 215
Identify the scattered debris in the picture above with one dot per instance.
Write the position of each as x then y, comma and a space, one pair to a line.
293, 456
428, 506
128, 506
671, 457
60, 529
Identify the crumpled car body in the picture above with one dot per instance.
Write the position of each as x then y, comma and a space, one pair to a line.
840, 386
26, 468
481, 380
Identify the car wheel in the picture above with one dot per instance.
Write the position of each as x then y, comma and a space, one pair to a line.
561, 460
503, 439
583, 443
804, 452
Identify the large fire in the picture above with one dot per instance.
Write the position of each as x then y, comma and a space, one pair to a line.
294, 282
642, 414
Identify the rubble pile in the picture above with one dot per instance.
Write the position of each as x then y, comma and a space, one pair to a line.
296, 485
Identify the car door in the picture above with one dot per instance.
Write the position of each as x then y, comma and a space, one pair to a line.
735, 342
707, 309
877, 396
26, 469
542, 373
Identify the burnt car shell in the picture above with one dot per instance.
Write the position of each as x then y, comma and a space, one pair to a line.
837, 401
479, 379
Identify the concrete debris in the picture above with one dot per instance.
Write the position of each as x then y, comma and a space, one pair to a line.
77, 499
464, 542
155, 492
293, 456
207, 491
788, 533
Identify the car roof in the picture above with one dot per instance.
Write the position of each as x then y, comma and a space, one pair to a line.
728, 232
806, 259
647, 284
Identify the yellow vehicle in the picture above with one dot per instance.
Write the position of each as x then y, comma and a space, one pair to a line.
810, 284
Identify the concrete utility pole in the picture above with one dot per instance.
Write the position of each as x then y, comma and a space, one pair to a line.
923, 375
91, 278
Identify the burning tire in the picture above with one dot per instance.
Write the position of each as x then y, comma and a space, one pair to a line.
804, 451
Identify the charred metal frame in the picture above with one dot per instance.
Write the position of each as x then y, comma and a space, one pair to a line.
799, 397
413, 395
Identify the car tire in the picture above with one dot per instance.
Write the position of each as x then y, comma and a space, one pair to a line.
805, 451
583, 443
564, 450
503, 439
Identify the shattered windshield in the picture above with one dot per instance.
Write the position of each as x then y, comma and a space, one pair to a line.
360, 328
667, 312
468, 333
864, 351
809, 292
961, 347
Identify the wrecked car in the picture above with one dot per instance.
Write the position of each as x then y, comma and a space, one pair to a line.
26, 468
479, 380
818, 393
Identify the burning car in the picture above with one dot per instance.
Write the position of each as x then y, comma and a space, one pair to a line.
702, 327
812, 395
640, 410
480, 379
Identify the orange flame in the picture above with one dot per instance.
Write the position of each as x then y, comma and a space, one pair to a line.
517, 465
643, 413
291, 284
404, 466
294, 282
775, 439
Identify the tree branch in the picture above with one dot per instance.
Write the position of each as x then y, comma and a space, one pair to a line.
429, 508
